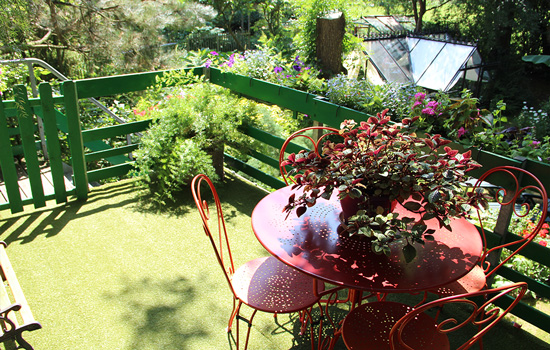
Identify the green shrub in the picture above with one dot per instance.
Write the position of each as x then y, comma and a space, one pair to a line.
191, 124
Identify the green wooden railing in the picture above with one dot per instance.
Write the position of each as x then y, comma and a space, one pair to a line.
61, 114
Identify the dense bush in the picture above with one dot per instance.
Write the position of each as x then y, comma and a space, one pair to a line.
191, 125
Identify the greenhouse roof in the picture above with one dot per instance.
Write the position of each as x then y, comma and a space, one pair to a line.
383, 24
424, 61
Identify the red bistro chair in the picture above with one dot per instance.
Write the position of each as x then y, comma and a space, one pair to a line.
507, 197
264, 284
387, 325
303, 134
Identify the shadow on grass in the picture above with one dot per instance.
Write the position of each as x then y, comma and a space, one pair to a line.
233, 190
158, 312
51, 221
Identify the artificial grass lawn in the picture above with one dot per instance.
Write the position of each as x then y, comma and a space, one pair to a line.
111, 273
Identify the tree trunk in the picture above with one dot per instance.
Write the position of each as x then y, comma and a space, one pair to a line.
330, 35
217, 160
419, 8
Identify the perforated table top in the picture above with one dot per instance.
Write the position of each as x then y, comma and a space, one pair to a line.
311, 243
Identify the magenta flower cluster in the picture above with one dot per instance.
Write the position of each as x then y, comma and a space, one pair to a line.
428, 108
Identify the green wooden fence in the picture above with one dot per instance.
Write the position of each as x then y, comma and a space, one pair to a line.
18, 121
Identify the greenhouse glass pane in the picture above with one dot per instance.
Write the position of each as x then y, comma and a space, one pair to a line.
443, 70
398, 49
385, 63
391, 23
422, 56
411, 43
377, 24
473, 74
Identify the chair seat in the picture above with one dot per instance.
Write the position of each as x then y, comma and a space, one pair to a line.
473, 281
368, 326
269, 285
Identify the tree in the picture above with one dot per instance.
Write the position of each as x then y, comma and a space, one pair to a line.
308, 11
330, 36
227, 12
87, 37
418, 8
505, 31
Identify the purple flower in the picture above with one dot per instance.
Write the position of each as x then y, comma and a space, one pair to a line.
428, 111
214, 53
416, 104
433, 104
420, 96
461, 132
298, 64
278, 69
208, 63
289, 76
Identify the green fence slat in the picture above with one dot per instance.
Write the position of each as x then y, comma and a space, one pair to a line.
105, 86
106, 154
7, 164
255, 173
26, 124
75, 139
263, 136
526, 313
265, 159
115, 130
540, 289
52, 142
109, 172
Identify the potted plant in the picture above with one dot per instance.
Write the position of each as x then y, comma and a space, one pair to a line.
192, 126
375, 164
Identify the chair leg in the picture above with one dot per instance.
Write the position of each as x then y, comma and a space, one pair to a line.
234, 313
249, 323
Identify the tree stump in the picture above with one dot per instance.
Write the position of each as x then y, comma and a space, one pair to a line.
330, 35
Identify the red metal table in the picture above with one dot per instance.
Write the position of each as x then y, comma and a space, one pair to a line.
311, 243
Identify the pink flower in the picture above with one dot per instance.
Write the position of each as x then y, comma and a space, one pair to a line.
208, 63
140, 113
433, 104
416, 104
535, 144
543, 243
461, 132
214, 53
428, 111
420, 96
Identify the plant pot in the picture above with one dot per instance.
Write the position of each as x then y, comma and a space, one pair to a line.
217, 160
373, 205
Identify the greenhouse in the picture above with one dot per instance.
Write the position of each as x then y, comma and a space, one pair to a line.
430, 63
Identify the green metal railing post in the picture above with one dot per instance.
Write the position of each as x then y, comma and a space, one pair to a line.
26, 125
76, 144
52, 142
7, 164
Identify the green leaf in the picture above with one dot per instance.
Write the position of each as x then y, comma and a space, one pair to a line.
434, 196
412, 206
409, 253
537, 59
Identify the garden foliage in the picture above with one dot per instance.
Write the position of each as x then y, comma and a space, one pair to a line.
190, 124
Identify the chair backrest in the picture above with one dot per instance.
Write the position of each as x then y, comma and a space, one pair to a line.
213, 222
303, 133
476, 313
510, 194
